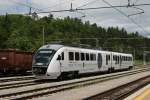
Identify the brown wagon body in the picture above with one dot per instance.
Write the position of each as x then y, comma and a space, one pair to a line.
15, 61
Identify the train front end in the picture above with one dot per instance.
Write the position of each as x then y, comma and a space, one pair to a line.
45, 64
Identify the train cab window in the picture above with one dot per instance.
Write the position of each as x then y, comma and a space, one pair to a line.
77, 56
82, 56
71, 56
87, 57
62, 56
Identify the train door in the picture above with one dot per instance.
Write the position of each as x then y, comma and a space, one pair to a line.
99, 60
61, 61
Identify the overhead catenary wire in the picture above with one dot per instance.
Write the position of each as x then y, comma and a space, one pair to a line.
94, 8
79, 8
126, 16
141, 11
87, 4
26, 5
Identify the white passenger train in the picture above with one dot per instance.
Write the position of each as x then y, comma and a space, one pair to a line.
56, 61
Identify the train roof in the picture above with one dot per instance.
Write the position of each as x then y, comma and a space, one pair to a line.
58, 46
52, 46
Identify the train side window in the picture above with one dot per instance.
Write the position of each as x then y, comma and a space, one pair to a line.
94, 57
77, 56
82, 57
62, 56
71, 56
106, 59
91, 57
113, 57
87, 57
118, 59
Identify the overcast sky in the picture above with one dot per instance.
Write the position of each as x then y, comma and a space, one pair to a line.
103, 17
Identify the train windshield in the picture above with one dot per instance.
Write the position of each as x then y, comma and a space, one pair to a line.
43, 57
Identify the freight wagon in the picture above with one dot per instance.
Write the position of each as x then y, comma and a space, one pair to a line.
15, 61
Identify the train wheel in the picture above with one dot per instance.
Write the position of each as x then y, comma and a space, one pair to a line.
130, 67
60, 78
112, 69
75, 74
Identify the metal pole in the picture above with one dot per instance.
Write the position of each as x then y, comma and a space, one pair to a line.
97, 42
144, 58
134, 55
43, 35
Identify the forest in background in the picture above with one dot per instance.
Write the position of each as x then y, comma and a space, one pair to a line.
25, 33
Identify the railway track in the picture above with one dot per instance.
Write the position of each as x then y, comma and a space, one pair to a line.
8, 74
17, 78
18, 84
30, 92
123, 91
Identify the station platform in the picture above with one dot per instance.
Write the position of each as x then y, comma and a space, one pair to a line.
142, 94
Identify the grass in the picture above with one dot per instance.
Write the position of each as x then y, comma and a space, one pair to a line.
140, 62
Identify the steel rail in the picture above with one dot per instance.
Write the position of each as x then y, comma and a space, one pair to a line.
7, 79
121, 92
17, 84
